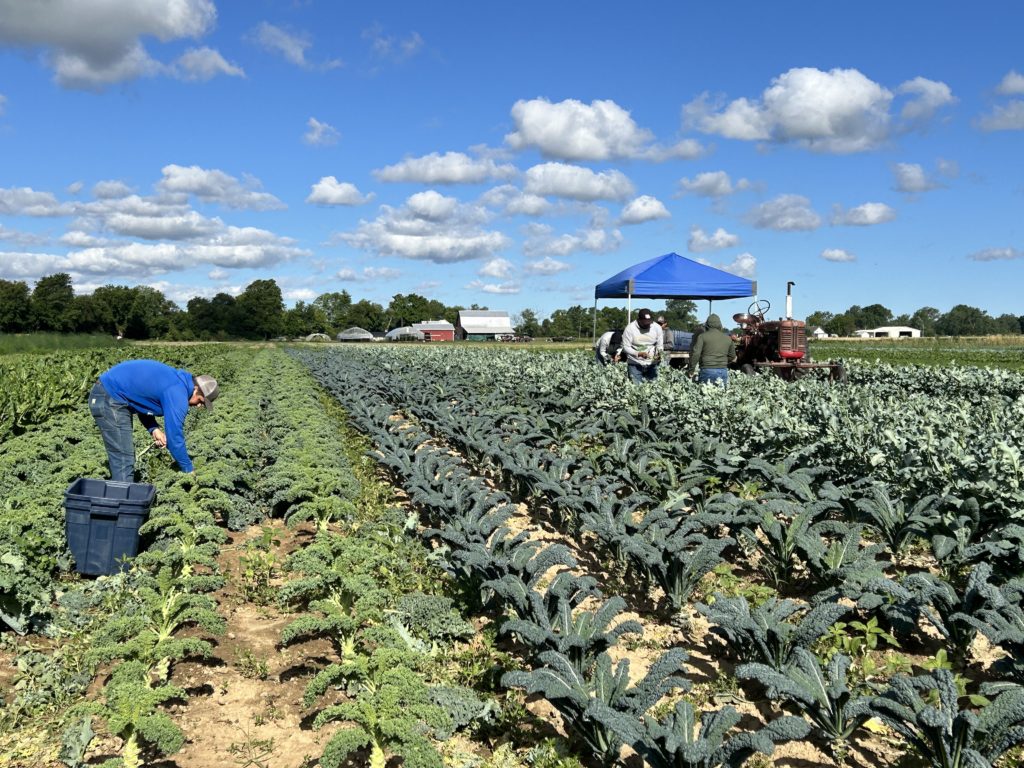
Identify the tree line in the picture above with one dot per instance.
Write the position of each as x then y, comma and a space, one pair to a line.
961, 320
259, 312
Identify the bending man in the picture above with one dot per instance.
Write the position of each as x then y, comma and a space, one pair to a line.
147, 389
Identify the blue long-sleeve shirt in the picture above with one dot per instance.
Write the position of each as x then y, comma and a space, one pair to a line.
150, 389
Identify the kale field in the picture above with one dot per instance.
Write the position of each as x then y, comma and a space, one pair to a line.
496, 558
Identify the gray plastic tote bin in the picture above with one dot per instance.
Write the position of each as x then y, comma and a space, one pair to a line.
102, 520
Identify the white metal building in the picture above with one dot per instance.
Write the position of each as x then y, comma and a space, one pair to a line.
889, 332
483, 325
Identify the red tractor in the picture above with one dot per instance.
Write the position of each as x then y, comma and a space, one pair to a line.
777, 345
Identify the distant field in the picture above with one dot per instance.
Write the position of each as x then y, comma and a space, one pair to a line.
19, 343
991, 351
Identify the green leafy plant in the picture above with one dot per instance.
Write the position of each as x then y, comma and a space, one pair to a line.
130, 710
821, 694
925, 711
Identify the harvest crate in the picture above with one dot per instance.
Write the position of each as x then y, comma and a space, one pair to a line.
102, 521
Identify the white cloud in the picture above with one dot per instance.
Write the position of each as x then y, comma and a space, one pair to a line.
1003, 117
449, 168
602, 130
643, 208
927, 97
3, 103
700, 242
201, 64
292, 46
576, 183
25, 201
496, 267
786, 213
188, 226
546, 266
1012, 84
390, 47
499, 288
864, 215
428, 227
21, 238
837, 111
213, 186
368, 274
330, 191
837, 255
75, 187
515, 202
713, 184
744, 265
218, 274
432, 205
111, 190
320, 134
997, 254
299, 294
911, 178
93, 43
541, 243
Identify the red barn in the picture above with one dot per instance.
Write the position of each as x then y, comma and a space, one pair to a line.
435, 330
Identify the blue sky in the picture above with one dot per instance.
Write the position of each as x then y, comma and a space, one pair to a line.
515, 155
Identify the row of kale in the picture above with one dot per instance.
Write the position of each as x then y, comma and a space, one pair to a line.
484, 551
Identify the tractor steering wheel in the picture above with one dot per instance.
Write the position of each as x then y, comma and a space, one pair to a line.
759, 308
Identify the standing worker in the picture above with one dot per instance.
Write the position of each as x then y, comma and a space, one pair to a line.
713, 350
146, 388
643, 343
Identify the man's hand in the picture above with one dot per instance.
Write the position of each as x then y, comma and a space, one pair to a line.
642, 355
160, 438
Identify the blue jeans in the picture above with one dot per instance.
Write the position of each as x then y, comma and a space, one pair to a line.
641, 373
719, 376
115, 423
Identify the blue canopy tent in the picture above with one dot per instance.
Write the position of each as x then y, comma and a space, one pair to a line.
672, 277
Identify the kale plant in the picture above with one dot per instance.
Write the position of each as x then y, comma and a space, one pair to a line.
676, 741
763, 634
599, 704
822, 695
925, 710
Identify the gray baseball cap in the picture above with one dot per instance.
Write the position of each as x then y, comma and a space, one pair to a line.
208, 387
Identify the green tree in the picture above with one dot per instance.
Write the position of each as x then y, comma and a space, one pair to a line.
924, 320
1007, 324
841, 325
680, 313
150, 313
261, 310
573, 322
112, 307
612, 319
53, 303
875, 316
963, 320
527, 324
15, 306
336, 307
304, 319
368, 315
413, 308
84, 313
227, 316
818, 319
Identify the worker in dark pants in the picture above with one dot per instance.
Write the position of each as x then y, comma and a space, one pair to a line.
712, 350
147, 389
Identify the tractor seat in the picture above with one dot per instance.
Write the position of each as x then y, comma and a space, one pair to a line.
791, 354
